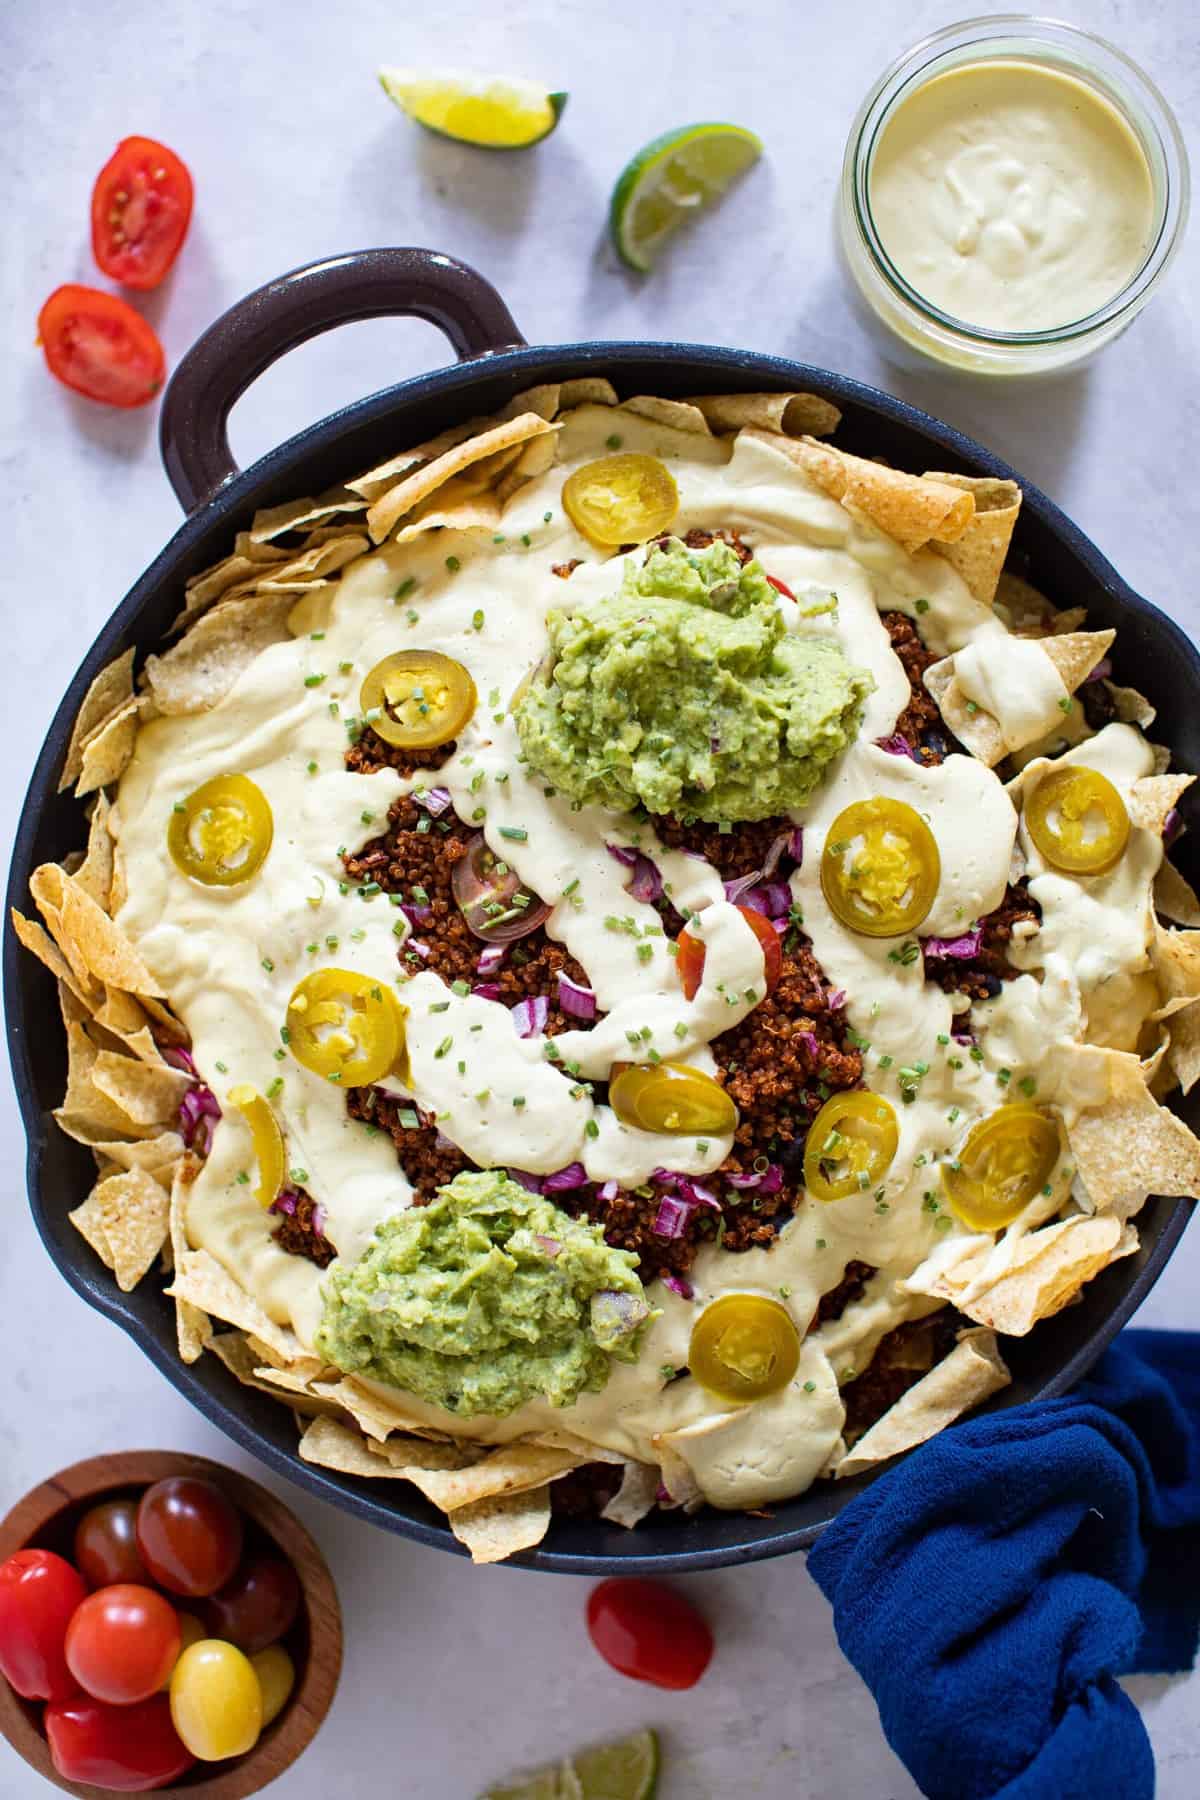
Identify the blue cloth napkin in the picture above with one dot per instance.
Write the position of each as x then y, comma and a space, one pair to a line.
990, 1589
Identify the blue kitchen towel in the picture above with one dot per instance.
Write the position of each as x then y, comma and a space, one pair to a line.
990, 1589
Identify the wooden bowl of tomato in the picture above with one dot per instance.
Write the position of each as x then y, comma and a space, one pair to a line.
163, 1575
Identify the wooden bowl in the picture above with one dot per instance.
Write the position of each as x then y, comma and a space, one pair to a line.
46, 1519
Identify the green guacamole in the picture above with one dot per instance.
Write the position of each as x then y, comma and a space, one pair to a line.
686, 693
486, 1298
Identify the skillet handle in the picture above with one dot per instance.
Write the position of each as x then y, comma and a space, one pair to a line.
247, 339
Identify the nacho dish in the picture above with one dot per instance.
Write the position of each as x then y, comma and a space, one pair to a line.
618, 956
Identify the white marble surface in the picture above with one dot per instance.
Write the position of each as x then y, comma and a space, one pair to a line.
454, 1675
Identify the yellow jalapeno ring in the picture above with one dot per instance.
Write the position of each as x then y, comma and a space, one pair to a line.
417, 699
1006, 1159
743, 1348
850, 1145
1077, 820
268, 1140
880, 867
221, 833
671, 1097
621, 499
347, 1027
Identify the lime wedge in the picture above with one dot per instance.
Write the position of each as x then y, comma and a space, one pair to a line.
674, 176
546, 1784
497, 112
626, 1770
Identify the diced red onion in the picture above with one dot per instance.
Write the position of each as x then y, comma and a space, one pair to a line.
285, 1202
897, 746
781, 925
694, 1194
744, 1181
672, 1217
663, 1496
796, 845
610, 1190
416, 915
198, 1113
964, 1037
445, 1143
646, 883
531, 1183
771, 898
836, 1000
320, 1219
375, 859
742, 885
778, 846
179, 1059
564, 1180
550, 1246
1101, 672
1172, 826
810, 1041
679, 1286
491, 959
965, 946
530, 1016
415, 944
436, 800
488, 990
576, 1001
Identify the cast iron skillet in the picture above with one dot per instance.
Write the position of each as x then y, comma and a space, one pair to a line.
493, 363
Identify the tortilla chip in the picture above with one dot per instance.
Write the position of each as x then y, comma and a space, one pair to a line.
1132, 708
95, 873
680, 415
544, 400
37, 939
88, 1220
87, 1113
273, 521
134, 1216
456, 509
795, 415
979, 553
204, 1283
109, 692
86, 933
157, 1156
1155, 796
909, 508
395, 502
237, 1351
1074, 655
149, 1095
1131, 1147
1183, 1046
376, 1414
963, 1380
193, 1327
636, 1496
586, 390
210, 584
199, 671
495, 1529
534, 459
329, 1444
313, 564
1049, 1268
458, 1476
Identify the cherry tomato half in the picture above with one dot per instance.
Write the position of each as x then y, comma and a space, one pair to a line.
106, 1544
1007, 1159
418, 698
347, 1027
276, 1677
649, 1632
880, 867
124, 1749
1077, 820
850, 1145
216, 1702
269, 1152
689, 963
221, 833
122, 1643
672, 1097
141, 209
490, 895
189, 1534
621, 499
39, 1593
744, 1347
258, 1606
96, 344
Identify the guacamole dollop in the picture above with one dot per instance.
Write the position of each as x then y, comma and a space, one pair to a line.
686, 693
484, 1299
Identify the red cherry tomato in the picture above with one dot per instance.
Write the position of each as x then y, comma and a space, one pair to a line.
39, 1592
649, 1632
125, 1749
141, 208
106, 1544
189, 1534
123, 1643
258, 1606
689, 962
781, 587
96, 344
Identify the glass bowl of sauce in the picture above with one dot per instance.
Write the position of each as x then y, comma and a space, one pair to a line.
1013, 191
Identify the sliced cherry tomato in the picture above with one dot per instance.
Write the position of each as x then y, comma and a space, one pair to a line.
850, 1145
781, 587
672, 1097
276, 1677
39, 1593
649, 1632
1007, 1159
221, 833
216, 1702
141, 209
880, 867
258, 1606
418, 698
490, 896
189, 1534
744, 1347
106, 1544
123, 1749
1077, 820
269, 1152
689, 963
347, 1027
96, 344
621, 499
122, 1643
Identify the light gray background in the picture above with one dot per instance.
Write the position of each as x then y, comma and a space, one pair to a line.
454, 1676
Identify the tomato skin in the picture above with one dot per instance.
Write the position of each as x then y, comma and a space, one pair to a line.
39, 1593
122, 1643
258, 1606
96, 344
781, 587
126, 1749
689, 962
189, 1534
216, 1701
106, 1545
141, 210
649, 1632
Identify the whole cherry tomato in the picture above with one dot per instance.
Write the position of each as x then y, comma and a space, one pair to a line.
258, 1606
125, 1749
95, 343
122, 1643
141, 209
689, 962
649, 1632
216, 1701
276, 1677
189, 1534
106, 1544
38, 1594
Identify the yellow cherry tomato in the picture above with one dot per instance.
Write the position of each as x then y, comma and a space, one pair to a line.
418, 698
276, 1677
1007, 1159
621, 499
671, 1096
268, 1140
220, 834
216, 1702
347, 1027
880, 867
744, 1347
190, 1632
850, 1145
1077, 820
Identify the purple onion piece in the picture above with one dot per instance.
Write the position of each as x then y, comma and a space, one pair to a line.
491, 960
320, 1218
198, 1113
445, 1143
488, 990
742, 885
549, 1246
179, 1059
743, 1181
285, 1201
576, 1001
1101, 672
781, 925
796, 845
772, 1179
646, 883
564, 1180
964, 1037
695, 1195
672, 1217
530, 1016
531, 1183
836, 1000
771, 898
416, 915
610, 1190
1172, 826
413, 943
964, 947
679, 1286
897, 746
436, 800
810, 1041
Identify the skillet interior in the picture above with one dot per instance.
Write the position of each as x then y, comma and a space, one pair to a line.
1152, 654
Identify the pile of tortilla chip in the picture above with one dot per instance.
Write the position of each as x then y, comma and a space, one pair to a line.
127, 1076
